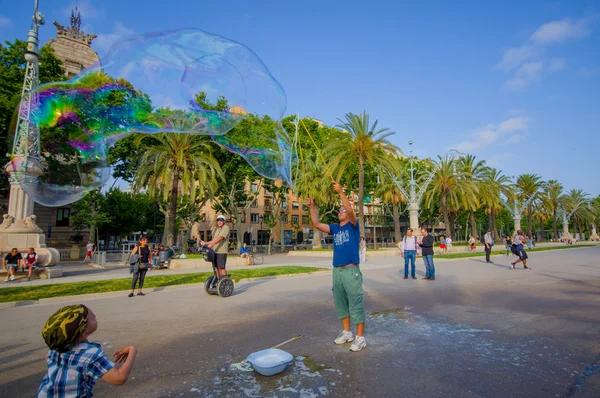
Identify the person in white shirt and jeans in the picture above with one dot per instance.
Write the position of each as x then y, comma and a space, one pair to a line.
409, 252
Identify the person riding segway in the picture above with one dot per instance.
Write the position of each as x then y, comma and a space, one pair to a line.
215, 251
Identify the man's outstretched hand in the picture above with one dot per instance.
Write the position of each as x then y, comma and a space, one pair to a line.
310, 203
338, 188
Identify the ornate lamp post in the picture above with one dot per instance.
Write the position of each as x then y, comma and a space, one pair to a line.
516, 211
415, 191
566, 235
19, 228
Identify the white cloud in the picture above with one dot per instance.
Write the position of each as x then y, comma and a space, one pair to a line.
491, 133
561, 31
532, 72
5, 22
514, 57
528, 60
499, 160
526, 75
105, 41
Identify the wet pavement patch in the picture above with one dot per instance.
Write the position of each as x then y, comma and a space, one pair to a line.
304, 378
489, 361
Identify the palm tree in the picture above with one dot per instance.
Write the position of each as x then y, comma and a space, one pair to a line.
451, 187
495, 184
174, 164
576, 201
530, 188
366, 145
315, 184
477, 173
553, 200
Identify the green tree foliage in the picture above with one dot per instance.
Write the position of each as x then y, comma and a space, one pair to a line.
365, 145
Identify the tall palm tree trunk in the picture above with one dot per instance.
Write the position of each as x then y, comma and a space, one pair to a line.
554, 223
445, 213
170, 233
529, 223
473, 223
361, 195
396, 212
494, 226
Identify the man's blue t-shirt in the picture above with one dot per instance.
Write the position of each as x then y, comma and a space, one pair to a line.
346, 241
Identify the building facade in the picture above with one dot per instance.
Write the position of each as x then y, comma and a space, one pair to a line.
72, 46
297, 227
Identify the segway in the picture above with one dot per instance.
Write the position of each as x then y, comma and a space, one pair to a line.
214, 286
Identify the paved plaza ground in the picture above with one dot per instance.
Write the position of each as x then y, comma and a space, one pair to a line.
480, 330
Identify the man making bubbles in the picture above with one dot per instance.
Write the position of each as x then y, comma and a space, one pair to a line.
347, 278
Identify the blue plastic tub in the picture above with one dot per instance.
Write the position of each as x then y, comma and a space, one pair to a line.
271, 361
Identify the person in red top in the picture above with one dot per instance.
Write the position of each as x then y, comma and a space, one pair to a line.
31, 261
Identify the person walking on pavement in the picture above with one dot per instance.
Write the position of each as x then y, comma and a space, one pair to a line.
89, 249
442, 244
409, 252
426, 244
363, 250
347, 278
140, 268
519, 250
489, 242
508, 244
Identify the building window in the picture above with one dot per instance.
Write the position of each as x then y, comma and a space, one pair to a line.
254, 187
203, 218
294, 219
254, 204
62, 217
295, 206
254, 218
208, 235
305, 220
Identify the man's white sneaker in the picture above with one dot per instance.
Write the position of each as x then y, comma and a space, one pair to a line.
12, 278
358, 344
6, 279
344, 337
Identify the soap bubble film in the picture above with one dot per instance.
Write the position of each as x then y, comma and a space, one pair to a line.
156, 83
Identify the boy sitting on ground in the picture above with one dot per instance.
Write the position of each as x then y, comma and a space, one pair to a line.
74, 363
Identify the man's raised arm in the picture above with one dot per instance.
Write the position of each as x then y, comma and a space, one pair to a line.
346, 202
314, 216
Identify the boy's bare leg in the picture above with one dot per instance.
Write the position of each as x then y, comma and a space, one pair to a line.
360, 329
346, 323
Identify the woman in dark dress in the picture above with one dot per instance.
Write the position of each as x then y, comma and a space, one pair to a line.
139, 270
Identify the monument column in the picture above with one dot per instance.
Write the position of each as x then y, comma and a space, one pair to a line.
19, 229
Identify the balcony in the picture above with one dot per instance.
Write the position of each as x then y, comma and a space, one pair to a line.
268, 207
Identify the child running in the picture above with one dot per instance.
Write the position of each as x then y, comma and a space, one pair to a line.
519, 250
74, 363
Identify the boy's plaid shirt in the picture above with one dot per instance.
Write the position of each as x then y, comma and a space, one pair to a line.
74, 373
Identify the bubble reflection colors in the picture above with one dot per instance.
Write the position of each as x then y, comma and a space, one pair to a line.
150, 84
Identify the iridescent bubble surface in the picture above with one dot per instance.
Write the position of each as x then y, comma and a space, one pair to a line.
151, 84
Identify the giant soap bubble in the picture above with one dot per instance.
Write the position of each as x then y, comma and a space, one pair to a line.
156, 83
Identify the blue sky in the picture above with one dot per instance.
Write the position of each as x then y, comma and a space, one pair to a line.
516, 83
